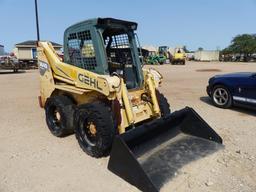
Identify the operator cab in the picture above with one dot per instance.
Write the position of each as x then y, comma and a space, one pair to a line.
105, 46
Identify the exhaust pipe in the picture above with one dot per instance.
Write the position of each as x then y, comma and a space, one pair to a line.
150, 155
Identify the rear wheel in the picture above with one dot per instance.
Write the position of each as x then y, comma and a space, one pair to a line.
59, 112
221, 97
163, 104
15, 70
94, 129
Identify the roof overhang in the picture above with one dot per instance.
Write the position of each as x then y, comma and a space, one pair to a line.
34, 46
110, 22
103, 22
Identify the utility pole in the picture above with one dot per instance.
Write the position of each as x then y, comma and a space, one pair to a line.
37, 22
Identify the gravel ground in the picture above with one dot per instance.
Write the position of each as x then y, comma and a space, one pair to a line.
31, 159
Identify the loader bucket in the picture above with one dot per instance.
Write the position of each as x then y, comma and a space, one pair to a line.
151, 154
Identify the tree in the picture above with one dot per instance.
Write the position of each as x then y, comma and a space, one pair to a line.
243, 44
185, 49
227, 50
200, 49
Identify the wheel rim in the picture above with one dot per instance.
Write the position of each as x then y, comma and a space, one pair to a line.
55, 118
220, 96
88, 132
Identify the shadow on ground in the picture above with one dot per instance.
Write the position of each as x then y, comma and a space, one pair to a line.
246, 111
11, 72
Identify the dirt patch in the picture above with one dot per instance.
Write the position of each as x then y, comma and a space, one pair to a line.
29, 154
208, 70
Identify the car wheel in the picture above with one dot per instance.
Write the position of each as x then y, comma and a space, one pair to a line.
221, 97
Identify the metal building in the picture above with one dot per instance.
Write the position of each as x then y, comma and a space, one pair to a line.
207, 55
26, 51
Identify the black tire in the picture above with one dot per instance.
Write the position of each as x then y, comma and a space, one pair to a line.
15, 70
163, 104
97, 140
226, 104
59, 111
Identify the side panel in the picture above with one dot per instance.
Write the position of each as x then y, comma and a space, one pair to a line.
80, 78
245, 92
46, 78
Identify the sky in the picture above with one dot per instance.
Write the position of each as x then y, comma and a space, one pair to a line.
210, 24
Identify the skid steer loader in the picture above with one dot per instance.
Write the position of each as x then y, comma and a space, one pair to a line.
100, 92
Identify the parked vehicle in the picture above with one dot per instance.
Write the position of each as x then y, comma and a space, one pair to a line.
156, 59
233, 89
8, 62
179, 57
102, 94
2, 59
164, 55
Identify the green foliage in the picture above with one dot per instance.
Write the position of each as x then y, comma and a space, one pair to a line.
243, 44
200, 49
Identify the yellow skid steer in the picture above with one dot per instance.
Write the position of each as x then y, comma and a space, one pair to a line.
100, 92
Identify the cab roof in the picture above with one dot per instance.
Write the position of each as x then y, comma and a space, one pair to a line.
105, 22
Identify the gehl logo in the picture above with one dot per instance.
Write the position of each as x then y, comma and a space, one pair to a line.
89, 81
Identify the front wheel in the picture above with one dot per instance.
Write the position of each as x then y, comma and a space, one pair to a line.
94, 129
163, 104
221, 97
